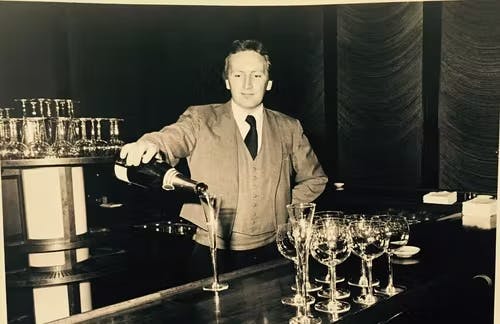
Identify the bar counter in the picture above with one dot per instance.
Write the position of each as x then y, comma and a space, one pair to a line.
447, 282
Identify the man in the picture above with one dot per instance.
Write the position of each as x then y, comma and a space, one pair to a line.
259, 164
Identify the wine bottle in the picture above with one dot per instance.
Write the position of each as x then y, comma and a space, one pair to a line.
157, 174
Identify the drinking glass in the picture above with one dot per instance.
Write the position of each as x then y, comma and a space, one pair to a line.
318, 215
286, 246
84, 146
362, 280
15, 149
330, 245
369, 241
398, 233
96, 137
211, 206
62, 147
115, 142
301, 216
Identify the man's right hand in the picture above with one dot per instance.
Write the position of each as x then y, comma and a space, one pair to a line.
137, 152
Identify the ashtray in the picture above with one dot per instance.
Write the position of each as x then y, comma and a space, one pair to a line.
406, 251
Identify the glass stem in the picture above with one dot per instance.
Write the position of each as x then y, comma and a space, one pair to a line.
302, 282
333, 286
390, 283
213, 254
369, 274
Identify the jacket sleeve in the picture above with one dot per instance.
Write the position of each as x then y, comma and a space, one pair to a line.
177, 140
310, 179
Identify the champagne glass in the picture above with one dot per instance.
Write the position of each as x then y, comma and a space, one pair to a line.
301, 216
398, 233
330, 245
211, 206
37, 146
318, 215
286, 246
369, 241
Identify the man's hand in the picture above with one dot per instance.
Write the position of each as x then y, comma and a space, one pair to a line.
137, 152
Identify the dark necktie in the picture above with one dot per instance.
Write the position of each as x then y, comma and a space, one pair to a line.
251, 138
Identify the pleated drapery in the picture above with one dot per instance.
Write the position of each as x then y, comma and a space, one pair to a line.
380, 93
469, 100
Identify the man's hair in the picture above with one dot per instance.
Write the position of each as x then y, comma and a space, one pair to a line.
246, 45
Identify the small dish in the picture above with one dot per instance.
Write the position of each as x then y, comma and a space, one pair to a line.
406, 251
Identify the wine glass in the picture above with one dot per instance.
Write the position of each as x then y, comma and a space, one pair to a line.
62, 146
286, 246
115, 142
83, 146
301, 216
211, 206
369, 241
362, 280
318, 215
330, 245
15, 149
398, 233
96, 137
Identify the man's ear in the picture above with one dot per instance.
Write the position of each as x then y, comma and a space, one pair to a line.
269, 85
228, 86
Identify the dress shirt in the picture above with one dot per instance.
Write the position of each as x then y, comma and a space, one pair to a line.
240, 114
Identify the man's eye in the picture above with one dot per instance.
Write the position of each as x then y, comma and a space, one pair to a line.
237, 75
257, 75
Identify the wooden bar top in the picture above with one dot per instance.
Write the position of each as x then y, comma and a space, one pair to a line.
441, 282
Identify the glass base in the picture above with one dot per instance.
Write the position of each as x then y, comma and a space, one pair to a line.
341, 293
295, 300
366, 300
332, 307
216, 286
326, 279
304, 320
311, 287
362, 282
390, 291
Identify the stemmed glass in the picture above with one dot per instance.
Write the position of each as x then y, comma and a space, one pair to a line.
398, 233
286, 246
211, 206
84, 146
369, 241
61, 146
318, 215
97, 141
362, 280
330, 245
115, 142
15, 149
301, 216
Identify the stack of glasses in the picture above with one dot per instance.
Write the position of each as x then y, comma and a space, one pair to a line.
330, 237
48, 128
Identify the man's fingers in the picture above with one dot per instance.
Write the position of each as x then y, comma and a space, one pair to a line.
150, 152
137, 152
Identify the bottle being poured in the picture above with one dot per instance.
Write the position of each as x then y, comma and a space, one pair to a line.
157, 174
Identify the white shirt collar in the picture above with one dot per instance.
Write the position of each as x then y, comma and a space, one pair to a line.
240, 114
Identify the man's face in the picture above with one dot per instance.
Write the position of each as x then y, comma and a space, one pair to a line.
247, 78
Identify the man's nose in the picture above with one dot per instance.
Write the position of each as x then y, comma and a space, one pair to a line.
248, 82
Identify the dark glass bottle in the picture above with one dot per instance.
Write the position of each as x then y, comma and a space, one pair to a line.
157, 174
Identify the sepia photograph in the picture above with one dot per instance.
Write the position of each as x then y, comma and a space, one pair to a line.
267, 161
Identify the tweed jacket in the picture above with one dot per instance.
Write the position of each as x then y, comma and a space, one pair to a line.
206, 135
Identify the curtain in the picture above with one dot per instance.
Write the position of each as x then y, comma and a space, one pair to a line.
469, 95
380, 93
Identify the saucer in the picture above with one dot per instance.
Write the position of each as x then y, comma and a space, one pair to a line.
406, 251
